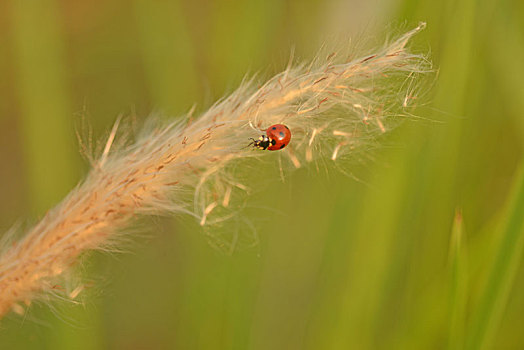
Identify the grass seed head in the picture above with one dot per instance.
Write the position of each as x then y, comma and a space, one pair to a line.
333, 106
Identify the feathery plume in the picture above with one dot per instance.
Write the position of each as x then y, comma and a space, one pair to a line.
331, 106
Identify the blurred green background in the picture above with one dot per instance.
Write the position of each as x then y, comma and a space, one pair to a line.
384, 263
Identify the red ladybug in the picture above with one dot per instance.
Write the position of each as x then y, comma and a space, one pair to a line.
277, 137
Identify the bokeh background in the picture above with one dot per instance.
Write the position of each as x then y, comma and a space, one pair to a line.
424, 251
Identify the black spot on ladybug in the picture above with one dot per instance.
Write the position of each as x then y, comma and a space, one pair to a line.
282, 145
281, 134
273, 142
274, 128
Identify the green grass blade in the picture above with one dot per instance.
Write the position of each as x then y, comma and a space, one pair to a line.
486, 319
458, 284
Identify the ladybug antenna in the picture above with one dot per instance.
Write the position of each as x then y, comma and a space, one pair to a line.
251, 143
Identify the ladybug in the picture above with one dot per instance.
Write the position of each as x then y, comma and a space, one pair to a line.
277, 137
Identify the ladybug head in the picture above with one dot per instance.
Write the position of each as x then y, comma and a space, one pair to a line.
263, 142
